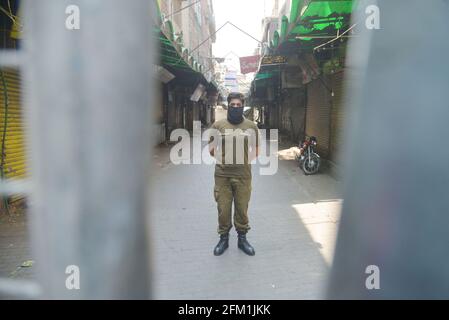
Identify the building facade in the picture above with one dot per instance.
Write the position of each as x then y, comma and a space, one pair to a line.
192, 28
303, 95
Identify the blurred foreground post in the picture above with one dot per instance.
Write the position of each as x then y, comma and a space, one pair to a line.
89, 96
396, 210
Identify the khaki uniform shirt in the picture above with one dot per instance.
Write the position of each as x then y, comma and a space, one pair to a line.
243, 139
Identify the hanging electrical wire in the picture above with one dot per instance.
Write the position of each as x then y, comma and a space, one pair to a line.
182, 9
338, 36
216, 31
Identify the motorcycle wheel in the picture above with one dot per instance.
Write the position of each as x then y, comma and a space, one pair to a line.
312, 165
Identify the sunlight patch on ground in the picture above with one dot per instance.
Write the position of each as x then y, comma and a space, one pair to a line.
321, 220
288, 154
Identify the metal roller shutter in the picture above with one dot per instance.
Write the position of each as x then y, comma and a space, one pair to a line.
318, 115
13, 138
338, 116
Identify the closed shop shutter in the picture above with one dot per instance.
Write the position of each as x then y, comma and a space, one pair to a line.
293, 113
14, 157
338, 116
274, 115
189, 116
318, 115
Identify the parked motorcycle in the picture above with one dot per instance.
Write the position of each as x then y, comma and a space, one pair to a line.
308, 159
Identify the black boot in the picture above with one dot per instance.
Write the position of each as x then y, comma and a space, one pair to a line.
222, 245
244, 245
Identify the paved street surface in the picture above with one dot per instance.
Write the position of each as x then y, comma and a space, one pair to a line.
16, 260
293, 218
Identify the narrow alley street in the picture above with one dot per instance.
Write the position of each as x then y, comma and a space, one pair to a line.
294, 222
114, 115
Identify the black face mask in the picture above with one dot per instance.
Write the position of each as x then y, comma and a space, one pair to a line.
235, 115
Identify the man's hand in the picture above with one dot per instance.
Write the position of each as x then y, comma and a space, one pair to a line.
254, 155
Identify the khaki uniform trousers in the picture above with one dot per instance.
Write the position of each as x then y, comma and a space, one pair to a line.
228, 190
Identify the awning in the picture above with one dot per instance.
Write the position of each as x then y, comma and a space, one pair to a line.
264, 79
177, 60
169, 54
173, 54
322, 18
310, 24
265, 75
312, 20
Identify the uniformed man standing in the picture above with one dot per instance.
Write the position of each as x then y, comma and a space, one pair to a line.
233, 177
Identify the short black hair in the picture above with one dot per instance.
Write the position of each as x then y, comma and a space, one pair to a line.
236, 95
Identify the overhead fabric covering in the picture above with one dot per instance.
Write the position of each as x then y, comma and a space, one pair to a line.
266, 75
266, 78
172, 51
320, 15
319, 18
169, 55
294, 12
284, 28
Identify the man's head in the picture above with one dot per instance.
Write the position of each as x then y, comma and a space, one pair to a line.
235, 107
236, 99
